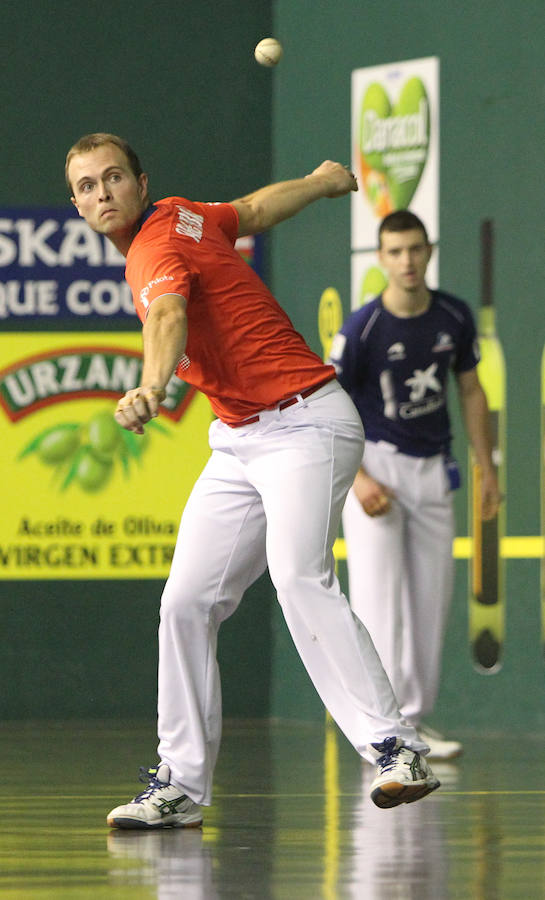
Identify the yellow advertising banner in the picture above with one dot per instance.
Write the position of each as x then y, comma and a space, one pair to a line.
81, 497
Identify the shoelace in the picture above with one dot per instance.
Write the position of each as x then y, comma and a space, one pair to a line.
148, 775
389, 758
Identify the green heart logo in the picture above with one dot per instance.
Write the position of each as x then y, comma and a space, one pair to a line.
393, 144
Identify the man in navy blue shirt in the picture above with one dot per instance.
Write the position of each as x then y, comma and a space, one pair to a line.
393, 356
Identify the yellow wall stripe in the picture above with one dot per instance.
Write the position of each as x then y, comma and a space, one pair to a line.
511, 548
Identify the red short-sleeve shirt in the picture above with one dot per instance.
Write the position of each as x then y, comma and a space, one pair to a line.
243, 350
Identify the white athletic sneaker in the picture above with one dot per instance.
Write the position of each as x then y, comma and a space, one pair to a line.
440, 747
403, 775
161, 805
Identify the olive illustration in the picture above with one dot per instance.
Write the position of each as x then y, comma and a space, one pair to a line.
92, 472
88, 453
58, 444
104, 435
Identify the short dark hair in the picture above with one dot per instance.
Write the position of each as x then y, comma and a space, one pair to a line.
91, 141
401, 220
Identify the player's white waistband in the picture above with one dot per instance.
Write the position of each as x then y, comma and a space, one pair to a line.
393, 448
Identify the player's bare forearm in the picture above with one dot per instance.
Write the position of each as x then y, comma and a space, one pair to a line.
476, 417
164, 336
273, 204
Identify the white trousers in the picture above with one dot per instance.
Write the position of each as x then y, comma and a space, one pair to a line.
400, 570
271, 494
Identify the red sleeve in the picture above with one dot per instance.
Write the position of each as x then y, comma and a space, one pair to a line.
157, 274
223, 216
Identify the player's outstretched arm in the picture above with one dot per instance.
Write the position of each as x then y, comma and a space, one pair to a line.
164, 335
272, 204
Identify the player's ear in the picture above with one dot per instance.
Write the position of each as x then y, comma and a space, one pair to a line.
143, 184
75, 202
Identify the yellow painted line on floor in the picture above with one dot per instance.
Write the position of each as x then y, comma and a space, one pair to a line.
462, 548
332, 813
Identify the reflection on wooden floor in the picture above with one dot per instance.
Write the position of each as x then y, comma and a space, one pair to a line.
291, 819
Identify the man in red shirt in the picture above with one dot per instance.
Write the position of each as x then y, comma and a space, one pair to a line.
286, 445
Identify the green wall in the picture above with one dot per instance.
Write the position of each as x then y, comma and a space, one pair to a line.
179, 81
492, 138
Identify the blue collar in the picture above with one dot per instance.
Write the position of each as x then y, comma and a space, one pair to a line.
146, 214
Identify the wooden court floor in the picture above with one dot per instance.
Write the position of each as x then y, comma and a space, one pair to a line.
291, 819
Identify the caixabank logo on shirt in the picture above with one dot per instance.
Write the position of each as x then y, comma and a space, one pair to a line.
83, 497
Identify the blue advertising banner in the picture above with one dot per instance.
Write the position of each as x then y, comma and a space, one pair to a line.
53, 266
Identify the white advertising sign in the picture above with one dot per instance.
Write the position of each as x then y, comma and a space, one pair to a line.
395, 145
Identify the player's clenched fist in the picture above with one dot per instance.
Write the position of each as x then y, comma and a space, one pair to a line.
338, 179
373, 496
491, 497
138, 406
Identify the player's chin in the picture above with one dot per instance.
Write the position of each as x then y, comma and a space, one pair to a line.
103, 226
108, 226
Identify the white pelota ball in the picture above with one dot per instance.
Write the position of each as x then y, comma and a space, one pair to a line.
268, 52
